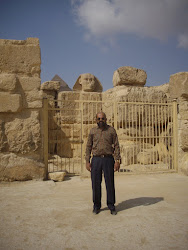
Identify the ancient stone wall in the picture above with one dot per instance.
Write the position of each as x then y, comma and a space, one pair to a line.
178, 89
153, 153
21, 156
21, 114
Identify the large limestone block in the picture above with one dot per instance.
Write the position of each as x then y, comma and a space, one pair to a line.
178, 85
3, 141
162, 151
51, 96
183, 135
93, 96
135, 133
148, 156
57, 176
16, 168
129, 151
8, 82
70, 105
139, 113
135, 94
50, 85
76, 96
163, 87
183, 163
50, 91
133, 152
23, 133
33, 99
29, 83
183, 108
68, 96
20, 56
10, 102
129, 76
35, 104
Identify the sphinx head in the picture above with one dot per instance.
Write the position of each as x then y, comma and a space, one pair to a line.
88, 83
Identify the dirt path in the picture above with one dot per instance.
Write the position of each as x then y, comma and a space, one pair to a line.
152, 214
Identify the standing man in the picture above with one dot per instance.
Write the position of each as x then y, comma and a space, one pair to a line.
104, 145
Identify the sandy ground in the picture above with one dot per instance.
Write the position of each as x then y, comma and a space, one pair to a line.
152, 214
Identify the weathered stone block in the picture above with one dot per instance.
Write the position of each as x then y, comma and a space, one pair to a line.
148, 156
29, 83
131, 132
23, 134
162, 151
32, 41
8, 82
68, 95
178, 85
20, 56
137, 94
183, 163
50, 85
183, 108
183, 135
74, 96
50, 95
34, 104
129, 76
129, 151
70, 106
3, 141
57, 176
33, 99
16, 168
137, 114
10, 102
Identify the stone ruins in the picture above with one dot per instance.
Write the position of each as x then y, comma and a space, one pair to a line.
22, 120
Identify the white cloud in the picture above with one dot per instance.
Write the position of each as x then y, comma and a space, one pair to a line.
183, 41
158, 19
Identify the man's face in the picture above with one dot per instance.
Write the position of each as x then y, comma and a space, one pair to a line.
88, 82
101, 120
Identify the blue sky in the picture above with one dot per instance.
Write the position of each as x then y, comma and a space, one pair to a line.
99, 36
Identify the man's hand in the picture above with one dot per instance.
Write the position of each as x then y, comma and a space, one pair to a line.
116, 166
88, 166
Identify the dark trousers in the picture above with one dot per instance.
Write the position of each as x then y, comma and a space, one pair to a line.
105, 165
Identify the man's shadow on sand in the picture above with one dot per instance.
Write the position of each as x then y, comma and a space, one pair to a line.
141, 201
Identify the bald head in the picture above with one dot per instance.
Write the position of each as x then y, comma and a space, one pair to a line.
100, 113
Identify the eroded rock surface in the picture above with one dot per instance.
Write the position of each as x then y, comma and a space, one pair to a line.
129, 76
20, 111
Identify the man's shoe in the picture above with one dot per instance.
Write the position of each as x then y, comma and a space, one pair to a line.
96, 210
113, 212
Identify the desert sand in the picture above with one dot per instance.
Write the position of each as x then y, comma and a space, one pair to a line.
152, 214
